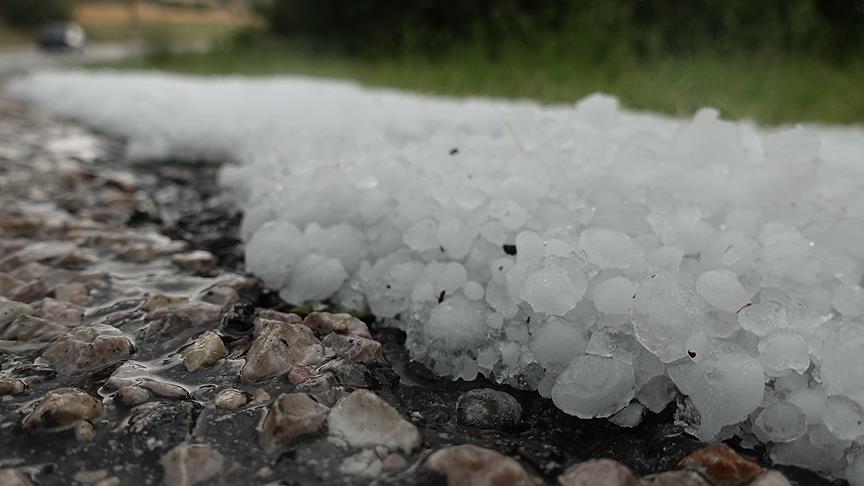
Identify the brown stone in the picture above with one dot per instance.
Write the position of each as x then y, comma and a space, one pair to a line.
354, 348
86, 348
61, 408
674, 478
195, 261
597, 472
206, 350
470, 465
230, 399
14, 477
326, 322
279, 347
11, 386
722, 465
274, 315
363, 419
291, 416
190, 464
59, 312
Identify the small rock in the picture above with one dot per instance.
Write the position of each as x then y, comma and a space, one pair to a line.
325, 323
393, 463
221, 295
194, 313
205, 351
488, 409
133, 395
238, 321
364, 464
347, 373
722, 465
274, 315
164, 389
26, 327
11, 386
324, 387
195, 261
771, 478
230, 399
14, 477
10, 310
260, 396
363, 419
674, 478
59, 312
605, 472
74, 293
86, 348
61, 408
159, 301
354, 348
30, 291
279, 347
291, 416
84, 431
469, 465
127, 374
190, 464
90, 477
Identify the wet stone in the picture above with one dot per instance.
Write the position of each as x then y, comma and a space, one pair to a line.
347, 373
324, 387
75, 293
30, 328
62, 408
59, 312
470, 465
204, 351
238, 321
674, 478
230, 399
771, 478
326, 322
356, 349
11, 386
722, 465
196, 262
362, 419
279, 347
10, 310
14, 477
596, 472
190, 464
488, 409
164, 389
290, 417
86, 348
133, 395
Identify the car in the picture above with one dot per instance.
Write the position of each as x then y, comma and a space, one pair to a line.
61, 36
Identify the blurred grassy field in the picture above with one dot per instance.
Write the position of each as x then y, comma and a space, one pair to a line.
770, 91
110, 22
107, 22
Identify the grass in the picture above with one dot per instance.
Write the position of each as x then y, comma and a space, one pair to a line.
13, 38
768, 90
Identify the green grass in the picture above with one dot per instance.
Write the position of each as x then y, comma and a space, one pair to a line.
768, 90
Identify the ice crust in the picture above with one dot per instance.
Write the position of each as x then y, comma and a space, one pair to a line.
600, 256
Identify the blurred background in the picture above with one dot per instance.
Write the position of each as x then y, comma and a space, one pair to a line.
775, 61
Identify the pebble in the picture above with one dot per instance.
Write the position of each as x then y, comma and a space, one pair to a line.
164, 389
84, 431
363, 419
10, 310
488, 409
86, 348
365, 463
207, 349
14, 477
722, 465
190, 464
354, 348
133, 395
230, 399
771, 478
279, 347
11, 386
62, 407
470, 465
674, 478
597, 472
325, 323
196, 262
291, 416
74, 293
